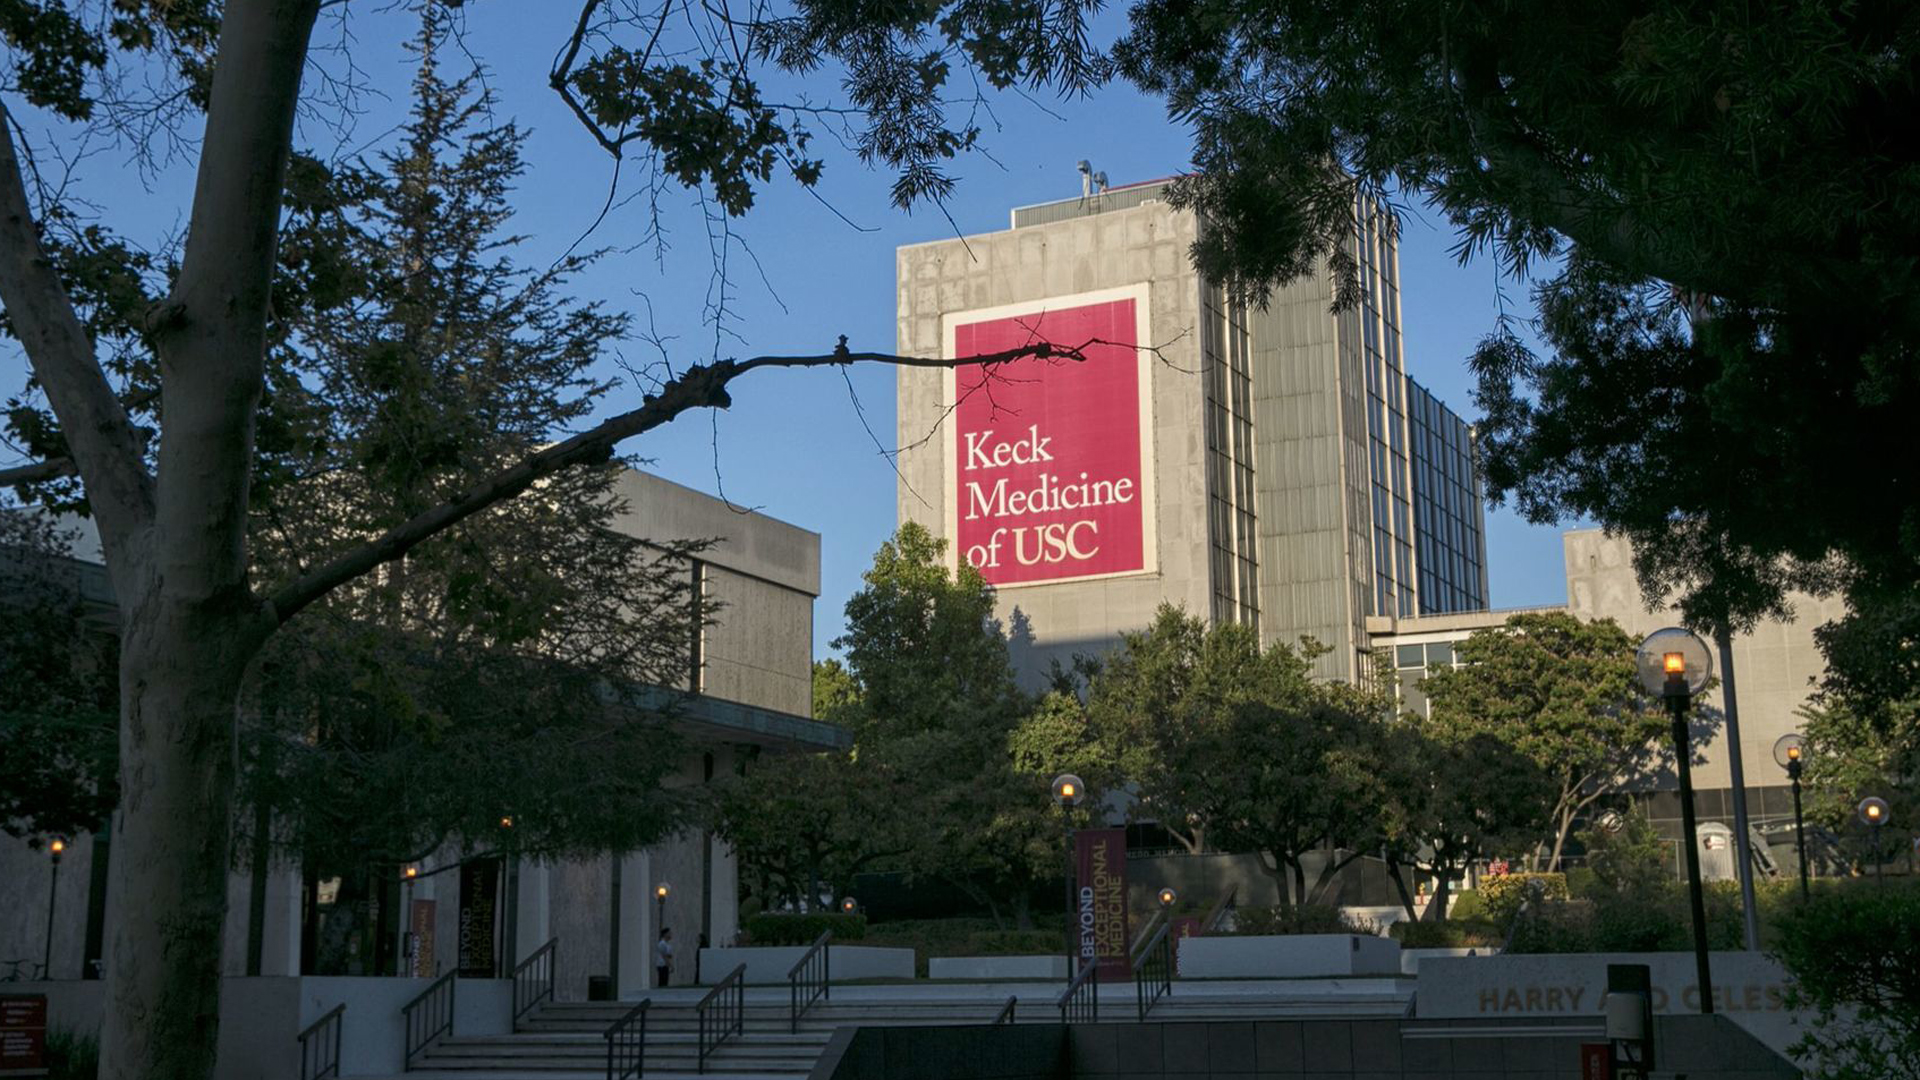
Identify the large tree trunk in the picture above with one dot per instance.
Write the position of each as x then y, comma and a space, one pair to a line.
1437, 907
179, 673
1400, 886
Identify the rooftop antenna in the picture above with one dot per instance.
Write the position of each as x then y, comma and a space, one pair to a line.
1086, 178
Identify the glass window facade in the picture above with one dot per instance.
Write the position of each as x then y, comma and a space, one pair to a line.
1450, 521
1231, 519
1429, 551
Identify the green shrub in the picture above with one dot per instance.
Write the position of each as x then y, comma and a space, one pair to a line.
1016, 943
1299, 919
1647, 919
72, 1056
1854, 956
1451, 934
1504, 894
785, 929
1582, 882
1466, 906
1631, 858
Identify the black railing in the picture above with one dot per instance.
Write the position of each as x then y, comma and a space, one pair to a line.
807, 981
722, 1013
1081, 1003
533, 981
1153, 972
320, 1046
23, 971
627, 1042
1005, 1016
428, 1016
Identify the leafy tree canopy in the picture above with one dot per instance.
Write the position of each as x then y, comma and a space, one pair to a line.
58, 689
1724, 198
1563, 693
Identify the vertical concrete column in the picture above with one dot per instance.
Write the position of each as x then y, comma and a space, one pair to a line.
635, 972
725, 899
280, 929
536, 912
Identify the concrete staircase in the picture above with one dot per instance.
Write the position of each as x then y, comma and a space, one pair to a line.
566, 1040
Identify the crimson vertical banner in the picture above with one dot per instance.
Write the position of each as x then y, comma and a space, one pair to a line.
420, 940
1100, 901
1049, 473
479, 901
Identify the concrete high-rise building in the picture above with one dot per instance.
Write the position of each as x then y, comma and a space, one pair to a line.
1269, 466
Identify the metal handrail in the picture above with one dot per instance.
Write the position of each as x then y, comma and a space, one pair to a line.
35, 971
1146, 933
811, 975
438, 1018
321, 1058
533, 980
727, 1003
626, 1049
1005, 1015
1153, 974
1212, 921
1081, 1002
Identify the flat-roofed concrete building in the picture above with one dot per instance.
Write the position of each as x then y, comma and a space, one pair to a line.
1269, 466
747, 691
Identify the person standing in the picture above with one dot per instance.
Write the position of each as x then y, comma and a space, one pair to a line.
663, 956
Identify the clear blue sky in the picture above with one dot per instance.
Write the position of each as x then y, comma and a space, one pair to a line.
794, 445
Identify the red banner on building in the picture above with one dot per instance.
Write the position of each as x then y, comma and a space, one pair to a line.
420, 939
1049, 469
1100, 899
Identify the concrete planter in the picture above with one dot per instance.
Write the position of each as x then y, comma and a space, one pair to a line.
770, 964
1288, 956
1410, 958
1748, 988
998, 967
261, 1017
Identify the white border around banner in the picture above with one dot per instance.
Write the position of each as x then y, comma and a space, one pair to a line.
1149, 491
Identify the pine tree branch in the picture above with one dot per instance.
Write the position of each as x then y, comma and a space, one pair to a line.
105, 449
701, 387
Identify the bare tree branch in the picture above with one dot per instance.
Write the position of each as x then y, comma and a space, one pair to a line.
99, 436
37, 471
703, 386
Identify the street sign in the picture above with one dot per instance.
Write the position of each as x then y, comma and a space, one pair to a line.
23, 1035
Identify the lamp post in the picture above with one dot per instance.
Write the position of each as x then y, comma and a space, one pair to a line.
54, 850
405, 918
1167, 898
660, 892
1873, 814
1789, 752
1675, 665
849, 906
1069, 791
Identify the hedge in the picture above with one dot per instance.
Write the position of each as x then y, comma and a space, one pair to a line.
784, 929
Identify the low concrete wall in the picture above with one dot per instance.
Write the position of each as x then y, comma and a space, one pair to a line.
998, 967
1410, 958
1697, 1047
261, 1018
1288, 956
1748, 988
770, 964
372, 1036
